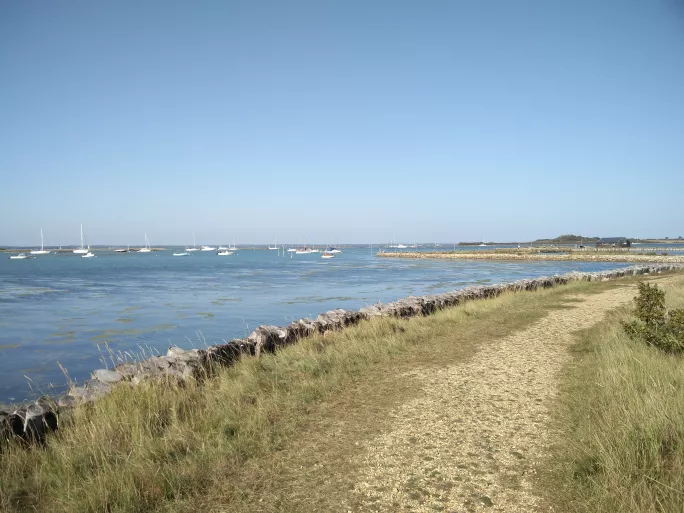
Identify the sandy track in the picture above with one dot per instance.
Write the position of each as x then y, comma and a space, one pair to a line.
475, 437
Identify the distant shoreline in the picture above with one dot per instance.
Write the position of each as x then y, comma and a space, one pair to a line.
577, 257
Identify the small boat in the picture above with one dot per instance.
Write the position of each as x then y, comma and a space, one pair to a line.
401, 246
182, 253
120, 250
194, 247
147, 248
81, 250
292, 250
42, 250
88, 254
275, 245
20, 256
207, 248
327, 255
232, 246
224, 253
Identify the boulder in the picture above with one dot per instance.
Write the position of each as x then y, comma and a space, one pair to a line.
107, 376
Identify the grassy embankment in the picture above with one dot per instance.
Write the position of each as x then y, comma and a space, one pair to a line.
621, 416
208, 447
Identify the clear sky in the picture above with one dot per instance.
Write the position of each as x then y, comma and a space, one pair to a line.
352, 121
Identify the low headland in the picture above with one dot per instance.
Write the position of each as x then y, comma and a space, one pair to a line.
546, 253
399, 405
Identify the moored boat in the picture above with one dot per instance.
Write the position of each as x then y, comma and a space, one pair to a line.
81, 250
147, 248
20, 256
224, 253
42, 250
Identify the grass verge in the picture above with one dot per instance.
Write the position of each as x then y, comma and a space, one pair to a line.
621, 421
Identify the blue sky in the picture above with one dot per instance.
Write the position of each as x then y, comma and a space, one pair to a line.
352, 121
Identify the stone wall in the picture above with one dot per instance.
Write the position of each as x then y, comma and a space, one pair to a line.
30, 422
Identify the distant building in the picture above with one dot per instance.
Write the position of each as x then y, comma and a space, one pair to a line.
613, 242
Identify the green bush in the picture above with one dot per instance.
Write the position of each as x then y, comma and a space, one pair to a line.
654, 325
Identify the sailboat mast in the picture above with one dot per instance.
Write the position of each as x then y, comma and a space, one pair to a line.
81, 235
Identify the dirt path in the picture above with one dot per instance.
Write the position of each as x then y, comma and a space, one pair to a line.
473, 439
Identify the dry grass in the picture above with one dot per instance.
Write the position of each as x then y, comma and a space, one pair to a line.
622, 423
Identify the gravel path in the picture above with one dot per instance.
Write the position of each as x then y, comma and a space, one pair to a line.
475, 437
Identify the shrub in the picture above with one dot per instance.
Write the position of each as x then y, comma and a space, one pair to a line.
654, 325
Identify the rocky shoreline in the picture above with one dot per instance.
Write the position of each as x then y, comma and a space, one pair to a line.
31, 422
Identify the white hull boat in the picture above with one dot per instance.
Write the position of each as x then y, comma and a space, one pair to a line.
327, 255
182, 253
224, 253
207, 248
147, 248
42, 250
20, 256
275, 246
194, 246
88, 255
82, 250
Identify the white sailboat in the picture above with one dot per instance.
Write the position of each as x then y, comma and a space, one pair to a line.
275, 245
81, 250
42, 250
207, 248
232, 247
147, 248
194, 247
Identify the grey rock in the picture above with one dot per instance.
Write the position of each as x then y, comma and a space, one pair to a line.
67, 401
107, 376
126, 370
98, 388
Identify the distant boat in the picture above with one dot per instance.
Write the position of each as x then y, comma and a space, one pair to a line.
194, 247
182, 253
292, 250
327, 254
483, 243
42, 250
207, 248
88, 254
121, 250
147, 248
224, 253
330, 249
20, 256
81, 250
232, 246
401, 246
275, 245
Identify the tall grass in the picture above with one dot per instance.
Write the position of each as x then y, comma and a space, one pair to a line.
622, 422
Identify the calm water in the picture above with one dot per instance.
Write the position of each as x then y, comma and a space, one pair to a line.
60, 307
